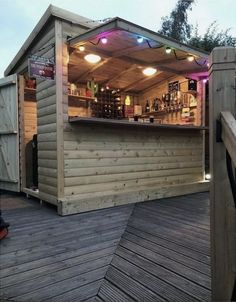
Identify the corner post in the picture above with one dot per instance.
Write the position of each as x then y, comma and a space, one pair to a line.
222, 98
59, 106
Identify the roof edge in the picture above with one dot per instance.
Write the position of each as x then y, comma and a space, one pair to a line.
123, 24
51, 11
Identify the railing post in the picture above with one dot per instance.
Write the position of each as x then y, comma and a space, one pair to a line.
222, 98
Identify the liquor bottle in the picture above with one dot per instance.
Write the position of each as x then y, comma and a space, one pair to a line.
147, 107
155, 105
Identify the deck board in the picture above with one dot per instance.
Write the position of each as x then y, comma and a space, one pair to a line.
58, 258
165, 250
153, 251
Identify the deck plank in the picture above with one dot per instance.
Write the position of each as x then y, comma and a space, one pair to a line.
165, 249
153, 251
58, 258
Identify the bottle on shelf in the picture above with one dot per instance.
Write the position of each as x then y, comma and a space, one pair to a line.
155, 105
147, 107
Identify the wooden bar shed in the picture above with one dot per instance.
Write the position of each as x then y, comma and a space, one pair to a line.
127, 128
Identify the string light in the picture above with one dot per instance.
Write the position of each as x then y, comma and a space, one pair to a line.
140, 39
81, 48
104, 40
168, 50
190, 58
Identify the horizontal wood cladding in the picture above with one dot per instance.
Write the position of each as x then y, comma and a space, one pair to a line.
95, 179
85, 202
47, 119
119, 186
112, 160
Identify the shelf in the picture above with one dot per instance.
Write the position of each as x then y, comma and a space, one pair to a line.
162, 112
30, 89
193, 92
81, 97
120, 123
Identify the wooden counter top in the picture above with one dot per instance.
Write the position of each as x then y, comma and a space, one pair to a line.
120, 123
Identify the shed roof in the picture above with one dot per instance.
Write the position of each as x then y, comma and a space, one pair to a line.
121, 24
52, 11
94, 29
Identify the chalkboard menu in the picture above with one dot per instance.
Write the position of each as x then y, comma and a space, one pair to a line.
173, 86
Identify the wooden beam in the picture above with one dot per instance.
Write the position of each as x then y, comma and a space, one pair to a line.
194, 70
223, 233
117, 76
146, 79
158, 83
94, 68
129, 50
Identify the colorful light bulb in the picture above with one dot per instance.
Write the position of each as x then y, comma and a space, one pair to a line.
140, 39
104, 40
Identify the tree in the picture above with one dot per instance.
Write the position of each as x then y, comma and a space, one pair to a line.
212, 38
176, 25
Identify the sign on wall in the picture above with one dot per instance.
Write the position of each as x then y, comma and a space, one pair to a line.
40, 67
173, 86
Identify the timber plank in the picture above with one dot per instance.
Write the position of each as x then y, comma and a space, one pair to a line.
109, 292
159, 287
63, 286
172, 255
168, 263
169, 244
64, 261
76, 258
79, 294
127, 260
130, 286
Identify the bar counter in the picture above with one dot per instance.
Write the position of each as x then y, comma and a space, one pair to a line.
120, 123
113, 162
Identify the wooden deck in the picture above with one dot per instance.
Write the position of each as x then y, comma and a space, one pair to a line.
153, 251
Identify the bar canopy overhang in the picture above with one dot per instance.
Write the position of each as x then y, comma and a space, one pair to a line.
122, 57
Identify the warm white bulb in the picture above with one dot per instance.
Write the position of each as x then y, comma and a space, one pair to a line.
190, 58
81, 48
92, 58
168, 50
149, 71
208, 176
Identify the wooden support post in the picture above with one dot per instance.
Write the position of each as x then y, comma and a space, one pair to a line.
222, 98
59, 45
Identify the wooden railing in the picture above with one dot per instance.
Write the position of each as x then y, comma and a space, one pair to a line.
228, 135
222, 109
